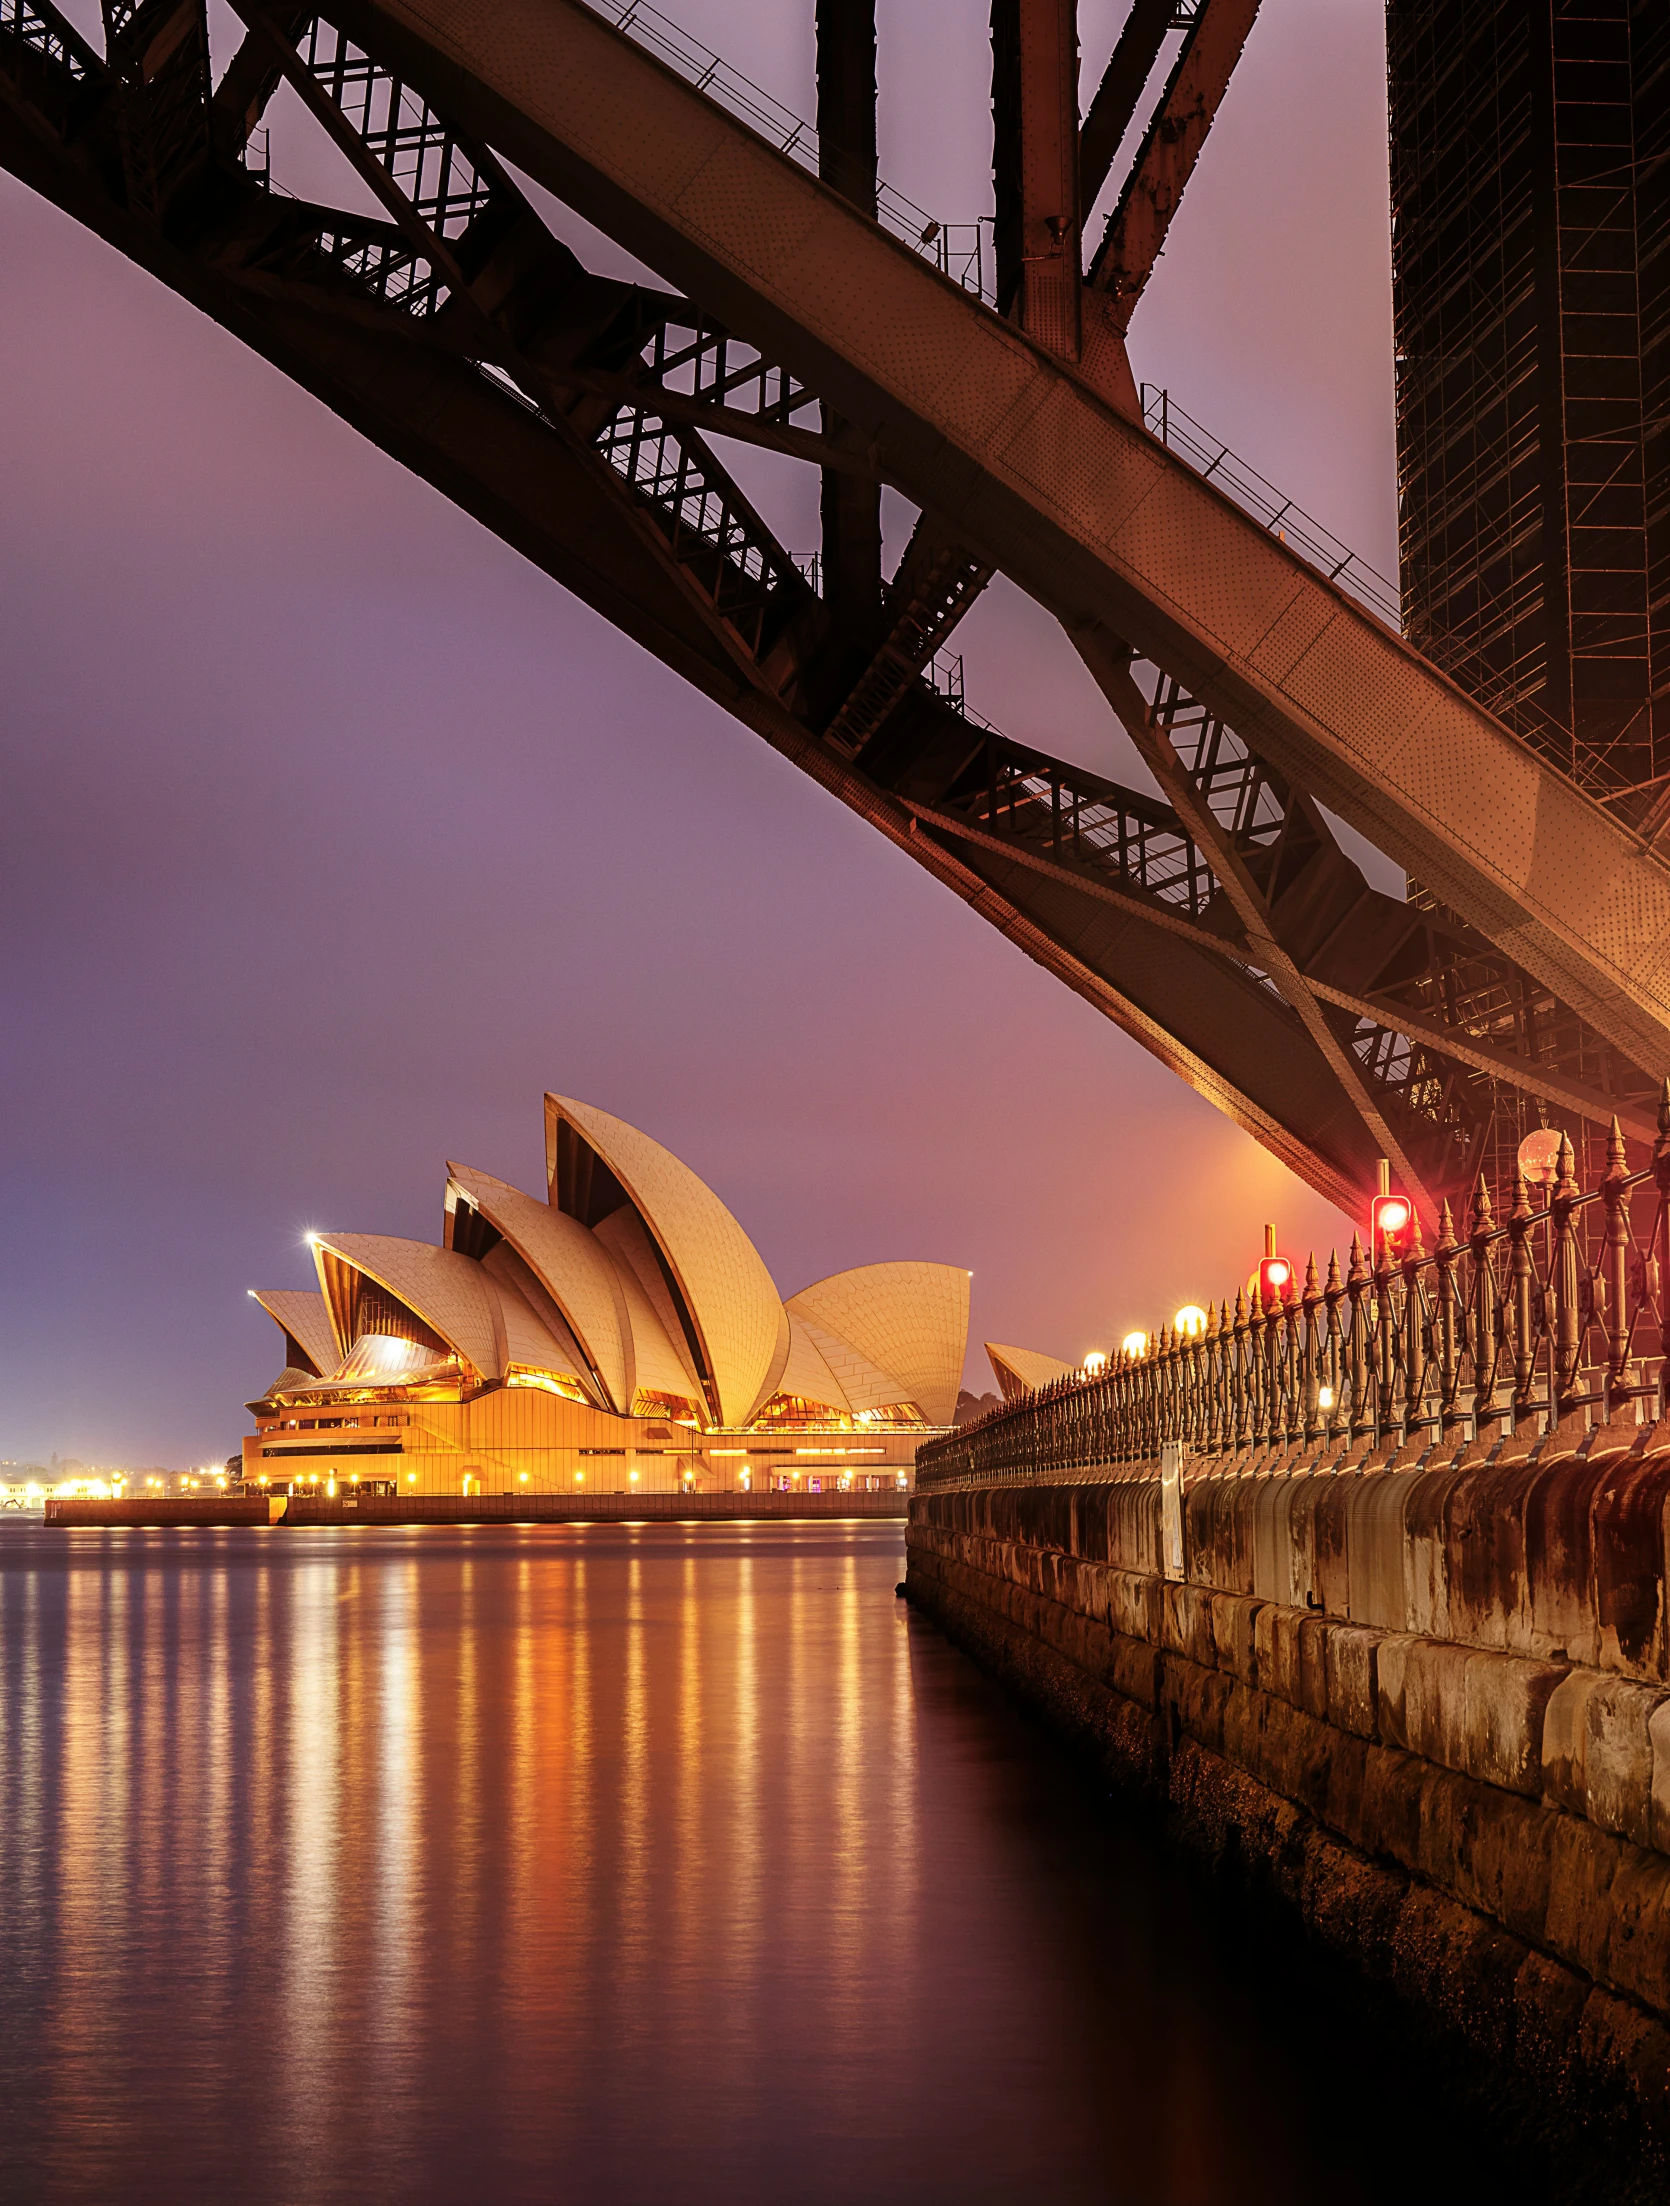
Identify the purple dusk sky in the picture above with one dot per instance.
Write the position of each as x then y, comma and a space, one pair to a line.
334, 833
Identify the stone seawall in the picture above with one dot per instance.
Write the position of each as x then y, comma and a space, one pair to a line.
1424, 1710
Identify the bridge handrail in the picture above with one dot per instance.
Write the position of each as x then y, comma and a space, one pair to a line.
957, 249
1550, 1318
1212, 459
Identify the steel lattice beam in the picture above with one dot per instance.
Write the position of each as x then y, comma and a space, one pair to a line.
1224, 928
1033, 470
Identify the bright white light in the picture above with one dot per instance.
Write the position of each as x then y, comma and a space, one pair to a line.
1190, 1320
1134, 1344
1539, 1155
1095, 1363
1324, 1397
312, 1240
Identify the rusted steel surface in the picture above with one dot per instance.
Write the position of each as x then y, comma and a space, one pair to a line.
1136, 231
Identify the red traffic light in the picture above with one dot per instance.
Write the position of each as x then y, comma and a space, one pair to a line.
1275, 1279
1393, 1215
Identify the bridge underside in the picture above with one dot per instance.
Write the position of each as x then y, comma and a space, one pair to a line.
1217, 921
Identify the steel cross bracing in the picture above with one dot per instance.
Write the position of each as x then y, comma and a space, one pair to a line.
571, 413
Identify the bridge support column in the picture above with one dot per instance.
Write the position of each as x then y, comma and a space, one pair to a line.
1035, 166
850, 504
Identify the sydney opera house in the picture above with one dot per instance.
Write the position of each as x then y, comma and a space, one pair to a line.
617, 1334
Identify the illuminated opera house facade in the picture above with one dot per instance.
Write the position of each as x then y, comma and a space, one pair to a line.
621, 1334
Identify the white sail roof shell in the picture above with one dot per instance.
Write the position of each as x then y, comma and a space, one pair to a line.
732, 1301
305, 1316
450, 1293
525, 1338
908, 1320
574, 1269
1021, 1370
658, 1353
808, 1372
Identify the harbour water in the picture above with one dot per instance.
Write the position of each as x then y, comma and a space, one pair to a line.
607, 1863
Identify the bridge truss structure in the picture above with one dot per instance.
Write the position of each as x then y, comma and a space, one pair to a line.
805, 308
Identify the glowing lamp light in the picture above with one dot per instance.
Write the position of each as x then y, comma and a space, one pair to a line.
1134, 1344
1539, 1155
1392, 1216
1190, 1321
1324, 1397
1095, 1363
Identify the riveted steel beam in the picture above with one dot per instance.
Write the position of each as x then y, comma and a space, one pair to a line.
1149, 199
558, 408
1027, 465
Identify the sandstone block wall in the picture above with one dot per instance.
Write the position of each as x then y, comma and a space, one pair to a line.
1428, 1708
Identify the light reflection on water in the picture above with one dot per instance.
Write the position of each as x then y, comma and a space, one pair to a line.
608, 1863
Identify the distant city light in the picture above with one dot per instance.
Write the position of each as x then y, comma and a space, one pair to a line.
1134, 1344
1190, 1320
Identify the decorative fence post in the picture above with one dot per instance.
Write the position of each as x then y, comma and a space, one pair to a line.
1571, 1317
1522, 1290
1449, 1328
1416, 1417
1359, 1285
1274, 1405
1484, 1313
1218, 1429
1618, 1311
1386, 1345
1331, 1392
1310, 1373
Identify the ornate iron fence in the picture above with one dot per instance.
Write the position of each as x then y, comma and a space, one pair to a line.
1557, 1315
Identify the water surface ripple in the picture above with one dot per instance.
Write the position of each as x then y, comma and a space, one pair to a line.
607, 1863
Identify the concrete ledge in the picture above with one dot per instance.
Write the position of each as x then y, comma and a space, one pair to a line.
225, 1509
490, 1509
